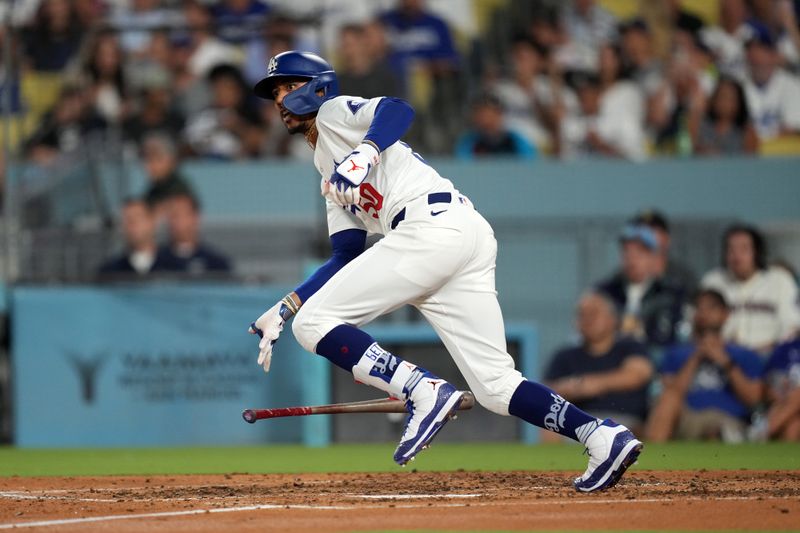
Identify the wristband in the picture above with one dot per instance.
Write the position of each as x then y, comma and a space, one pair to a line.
289, 307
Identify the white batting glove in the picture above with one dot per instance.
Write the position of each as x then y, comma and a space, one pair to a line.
269, 327
343, 187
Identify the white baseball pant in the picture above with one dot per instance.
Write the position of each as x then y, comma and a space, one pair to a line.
443, 264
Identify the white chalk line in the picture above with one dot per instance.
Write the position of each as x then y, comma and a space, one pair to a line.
262, 507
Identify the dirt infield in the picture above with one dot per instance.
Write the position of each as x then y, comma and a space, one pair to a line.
727, 500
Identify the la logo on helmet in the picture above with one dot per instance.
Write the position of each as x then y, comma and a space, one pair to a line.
272, 66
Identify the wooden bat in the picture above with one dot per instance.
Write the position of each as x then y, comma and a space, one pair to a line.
383, 405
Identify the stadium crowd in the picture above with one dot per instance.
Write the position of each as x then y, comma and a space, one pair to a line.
718, 362
501, 77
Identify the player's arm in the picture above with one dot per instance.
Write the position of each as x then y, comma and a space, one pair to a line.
347, 245
386, 121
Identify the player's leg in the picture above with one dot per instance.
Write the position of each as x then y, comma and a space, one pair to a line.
399, 268
466, 315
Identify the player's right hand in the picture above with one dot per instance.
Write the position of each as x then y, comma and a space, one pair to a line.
341, 192
268, 327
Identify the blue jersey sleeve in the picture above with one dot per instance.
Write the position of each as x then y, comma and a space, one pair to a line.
392, 119
347, 245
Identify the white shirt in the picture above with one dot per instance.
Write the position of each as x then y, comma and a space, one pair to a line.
619, 123
400, 177
775, 105
520, 111
764, 308
142, 261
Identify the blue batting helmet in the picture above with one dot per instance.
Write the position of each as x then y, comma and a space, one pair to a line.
303, 65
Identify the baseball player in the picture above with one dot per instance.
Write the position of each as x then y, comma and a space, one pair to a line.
437, 254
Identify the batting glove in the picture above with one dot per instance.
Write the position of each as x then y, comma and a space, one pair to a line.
351, 173
269, 326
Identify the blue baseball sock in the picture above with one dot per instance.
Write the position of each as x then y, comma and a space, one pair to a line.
356, 351
540, 406
344, 345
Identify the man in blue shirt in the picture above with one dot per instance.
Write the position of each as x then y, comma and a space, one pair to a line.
782, 377
416, 34
709, 387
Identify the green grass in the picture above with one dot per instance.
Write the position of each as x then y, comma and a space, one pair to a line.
376, 458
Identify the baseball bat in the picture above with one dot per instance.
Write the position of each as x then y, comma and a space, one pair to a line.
383, 405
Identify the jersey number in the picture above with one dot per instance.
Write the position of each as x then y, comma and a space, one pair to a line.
371, 199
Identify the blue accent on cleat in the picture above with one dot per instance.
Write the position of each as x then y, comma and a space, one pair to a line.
448, 400
623, 452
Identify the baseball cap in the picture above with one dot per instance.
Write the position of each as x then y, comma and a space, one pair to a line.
639, 233
652, 218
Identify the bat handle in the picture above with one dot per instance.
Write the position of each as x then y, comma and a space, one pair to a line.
249, 416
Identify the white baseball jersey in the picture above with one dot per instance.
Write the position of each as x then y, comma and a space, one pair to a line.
775, 105
764, 308
401, 176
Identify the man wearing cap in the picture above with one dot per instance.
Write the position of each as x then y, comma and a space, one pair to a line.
773, 94
651, 309
667, 268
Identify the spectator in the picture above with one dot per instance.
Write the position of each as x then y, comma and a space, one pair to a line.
230, 128
531, 98
185, 248
67, 127
600, 126
727, 40
773, 95
54, 37
106, 75
782, 378
141, 256
160, 158
651, 307
763, 298
206, 51
154, 111
362, 72
135, 21
417, 37
639, 58
587, 27
238, 21
670, 270
676, 109
709, 387
605, 372
489, 136
726, 128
